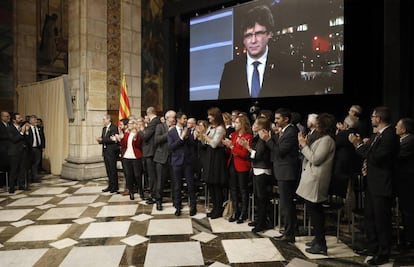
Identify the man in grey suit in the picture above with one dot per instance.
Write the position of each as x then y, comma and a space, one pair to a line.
284, 147
148, 151
161, 155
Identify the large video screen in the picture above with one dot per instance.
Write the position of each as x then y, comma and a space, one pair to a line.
268, 48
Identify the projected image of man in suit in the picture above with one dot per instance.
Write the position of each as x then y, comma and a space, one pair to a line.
261, 71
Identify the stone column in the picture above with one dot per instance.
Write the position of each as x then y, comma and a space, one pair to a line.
88, 84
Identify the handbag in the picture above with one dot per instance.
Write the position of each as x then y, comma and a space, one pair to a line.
228, 209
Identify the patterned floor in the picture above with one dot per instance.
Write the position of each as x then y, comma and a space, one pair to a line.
70, 223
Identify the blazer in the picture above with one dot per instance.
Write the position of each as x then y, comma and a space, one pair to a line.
109, 146
18, 142
381, 157
261, 157
4, 139
161, 153
240, 154
182, 151
317, 169
405, 163
136, 145
285, 154
281, 78
148, 148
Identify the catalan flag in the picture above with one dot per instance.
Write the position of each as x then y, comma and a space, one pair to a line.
124, 108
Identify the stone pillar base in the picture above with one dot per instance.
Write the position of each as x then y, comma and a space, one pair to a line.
83, 169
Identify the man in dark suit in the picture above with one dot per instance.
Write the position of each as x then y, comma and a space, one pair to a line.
380, 153
181, 146
284, 147
4, 140
262, 72
148, 152
35, 147
18, 136
110, 151
161, 155
405, 179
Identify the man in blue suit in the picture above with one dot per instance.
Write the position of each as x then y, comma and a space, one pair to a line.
180, 144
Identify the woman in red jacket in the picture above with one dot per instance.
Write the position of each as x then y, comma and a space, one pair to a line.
131, 153
239, 168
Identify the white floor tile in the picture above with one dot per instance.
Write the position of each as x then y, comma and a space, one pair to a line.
134, 240
79, 199
335, 250
62, 213
84, 220
89, 190
251, 250
18, 196
174, 254
22, 223
2, 228
272, 233
30, 201
170, 227
199, 216
203, 237
1, 245
40, 233
64, 243
142, 217
94, 256
221, 225
296, 262
13, 215
106, 229
2, 198
121, 198
63, 195
219, 264
22, 257
117, 210
68, 183
49, 191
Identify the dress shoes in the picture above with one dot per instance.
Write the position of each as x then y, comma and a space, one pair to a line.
258, 228
114, 191
193, 211
150, 201
11, 190
131, 196
159, 205
378, 260
106, 189
252, 224
125, 193
287, 239
311, 243
241, 218
177, 212
232, 218
317, 249
364, 252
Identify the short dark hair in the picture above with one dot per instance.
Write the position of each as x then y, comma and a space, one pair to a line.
384, 113
180, 114
260, 15
408, 124
125, 121
285, 113
326, 125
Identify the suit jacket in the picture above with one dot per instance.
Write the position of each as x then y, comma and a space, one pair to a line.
182, 151
240, 154
161, 153
109, 146
285, 154
148, 148
136, 145
281, 78
381, 158
405, 163
41, 135
4, 140
18, 142
317, 169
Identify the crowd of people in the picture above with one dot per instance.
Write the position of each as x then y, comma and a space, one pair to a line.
22, 141
236, 154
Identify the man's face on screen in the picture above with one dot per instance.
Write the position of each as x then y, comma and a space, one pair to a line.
255, 40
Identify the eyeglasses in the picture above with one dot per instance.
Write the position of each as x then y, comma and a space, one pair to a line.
258, 34
374, 116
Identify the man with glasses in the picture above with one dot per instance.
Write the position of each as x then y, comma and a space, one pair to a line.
261, 72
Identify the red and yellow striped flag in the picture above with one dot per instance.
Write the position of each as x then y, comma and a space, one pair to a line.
124, 108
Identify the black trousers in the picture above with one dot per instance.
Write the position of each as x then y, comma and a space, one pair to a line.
150, 167
110, 158
262, 185
378, 223
217, 198
184, 171
133, 174
287, 191
162, 171
239, 193
318, 221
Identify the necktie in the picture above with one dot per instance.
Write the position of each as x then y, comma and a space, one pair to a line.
180, 130
255, 80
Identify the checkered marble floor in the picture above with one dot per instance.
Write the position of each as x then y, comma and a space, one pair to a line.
69, 223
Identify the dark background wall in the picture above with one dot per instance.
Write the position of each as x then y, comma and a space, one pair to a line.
378, 68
